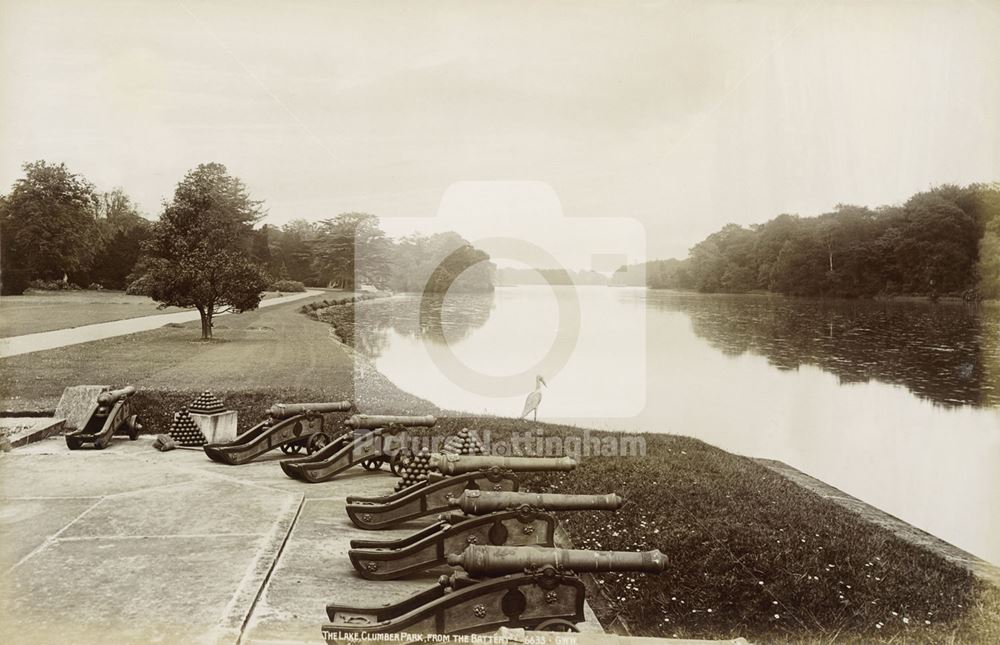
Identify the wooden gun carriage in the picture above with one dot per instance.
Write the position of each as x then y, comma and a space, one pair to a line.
372, 441
438, 493
112, 412
290, 427
494, 518
502, 586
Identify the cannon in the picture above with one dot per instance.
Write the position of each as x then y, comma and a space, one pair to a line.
372, 443
521, 586
448, 464
505, 518
480, 502
438, 493
111, 412
290, 427
500, 560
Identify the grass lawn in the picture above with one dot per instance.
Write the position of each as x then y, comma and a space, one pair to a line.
750, 553
39, 311
273, 350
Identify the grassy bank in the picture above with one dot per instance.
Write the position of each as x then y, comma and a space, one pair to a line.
273, 350
38, 311
750, 553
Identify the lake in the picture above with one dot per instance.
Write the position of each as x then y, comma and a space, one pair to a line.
896, 403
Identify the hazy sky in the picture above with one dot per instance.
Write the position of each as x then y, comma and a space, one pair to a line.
682, 115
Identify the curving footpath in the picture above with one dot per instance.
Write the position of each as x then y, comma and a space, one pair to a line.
16, 345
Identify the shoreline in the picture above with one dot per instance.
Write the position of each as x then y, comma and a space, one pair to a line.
869, 526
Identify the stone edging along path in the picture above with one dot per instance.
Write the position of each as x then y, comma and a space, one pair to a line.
977, 566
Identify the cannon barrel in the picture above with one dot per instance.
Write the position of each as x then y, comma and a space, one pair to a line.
112, 396
480, 560
375, 421
461, 464
285, 410
481, 502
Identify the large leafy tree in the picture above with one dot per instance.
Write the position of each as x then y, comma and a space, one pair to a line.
48, 225
122, 230
352, 248
438, 263
989, 244
199, 252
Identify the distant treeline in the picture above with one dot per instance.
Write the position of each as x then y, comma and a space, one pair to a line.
57, 231
351, 246
511, 276
943, 242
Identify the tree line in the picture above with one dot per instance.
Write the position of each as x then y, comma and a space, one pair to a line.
205, 250
941, 242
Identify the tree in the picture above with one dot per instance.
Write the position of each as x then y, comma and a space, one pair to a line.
122, 231
352, 248
198, 253
989, 244
48, 225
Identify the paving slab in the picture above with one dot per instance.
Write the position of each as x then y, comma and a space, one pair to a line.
131, 545
137, 590
26, 524
312, 572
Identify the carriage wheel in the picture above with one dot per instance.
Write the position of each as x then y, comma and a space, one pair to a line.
372, 463
399, 460
100, 443
132, 426
556, 625
72, 443
317, 442
291, 448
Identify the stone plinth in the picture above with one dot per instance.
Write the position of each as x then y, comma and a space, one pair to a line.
217, 428
76, 404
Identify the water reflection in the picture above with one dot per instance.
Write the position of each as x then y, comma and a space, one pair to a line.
946, 353
895, 403
433, 317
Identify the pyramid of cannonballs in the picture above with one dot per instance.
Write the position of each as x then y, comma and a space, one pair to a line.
184, 431
207, 403
416, 470
463, 443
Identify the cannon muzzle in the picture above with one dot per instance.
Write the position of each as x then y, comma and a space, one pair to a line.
376, 421
480, 560
286, 410
113, 396
481, 502
461, 464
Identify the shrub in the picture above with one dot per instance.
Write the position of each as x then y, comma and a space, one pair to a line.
53, 285
291, 286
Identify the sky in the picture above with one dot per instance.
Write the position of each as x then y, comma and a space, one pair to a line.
632, 128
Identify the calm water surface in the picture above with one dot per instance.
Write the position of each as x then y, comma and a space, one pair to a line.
895, 403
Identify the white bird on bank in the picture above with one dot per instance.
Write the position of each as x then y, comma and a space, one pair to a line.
531, 403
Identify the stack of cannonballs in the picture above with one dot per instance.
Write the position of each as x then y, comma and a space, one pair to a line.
207, 403
463, 443
416, 470
184, 431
